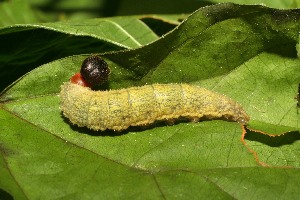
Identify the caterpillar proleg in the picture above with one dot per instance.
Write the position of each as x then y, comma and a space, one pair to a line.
138, 106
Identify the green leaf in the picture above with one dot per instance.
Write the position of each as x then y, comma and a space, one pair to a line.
246, 52
273, 4
64, 39
298, 48
274, 150
16, 12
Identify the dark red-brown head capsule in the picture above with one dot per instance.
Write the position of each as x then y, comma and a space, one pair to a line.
94, 70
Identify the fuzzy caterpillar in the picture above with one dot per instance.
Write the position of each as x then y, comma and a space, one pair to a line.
138, 106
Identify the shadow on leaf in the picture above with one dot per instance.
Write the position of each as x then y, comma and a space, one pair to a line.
274, 141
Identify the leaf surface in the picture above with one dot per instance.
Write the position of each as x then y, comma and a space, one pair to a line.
246, 52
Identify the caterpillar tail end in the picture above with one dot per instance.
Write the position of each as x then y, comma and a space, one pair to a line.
243, 118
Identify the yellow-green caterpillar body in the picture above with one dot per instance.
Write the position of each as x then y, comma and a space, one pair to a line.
138, 106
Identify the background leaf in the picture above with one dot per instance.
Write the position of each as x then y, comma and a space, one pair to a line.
273, 4
246, 52
66, 38
17, 12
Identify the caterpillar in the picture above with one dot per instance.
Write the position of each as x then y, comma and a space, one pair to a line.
138, 106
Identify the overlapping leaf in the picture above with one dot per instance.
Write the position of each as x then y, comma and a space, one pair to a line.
246, 52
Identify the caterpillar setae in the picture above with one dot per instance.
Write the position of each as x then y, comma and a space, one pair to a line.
137, 106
